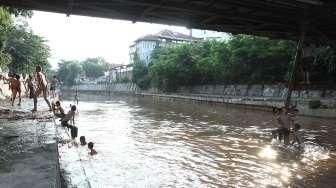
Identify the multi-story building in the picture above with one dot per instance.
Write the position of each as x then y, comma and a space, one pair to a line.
145, 45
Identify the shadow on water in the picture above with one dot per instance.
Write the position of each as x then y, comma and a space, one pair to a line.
147, 143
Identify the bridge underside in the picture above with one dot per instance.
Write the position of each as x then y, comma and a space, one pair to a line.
284, 19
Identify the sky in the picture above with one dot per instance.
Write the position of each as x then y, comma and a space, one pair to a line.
80, 37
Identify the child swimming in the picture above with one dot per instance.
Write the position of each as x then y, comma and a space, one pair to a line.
92, 151
82, 140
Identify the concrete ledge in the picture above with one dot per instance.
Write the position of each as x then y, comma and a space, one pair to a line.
247, 102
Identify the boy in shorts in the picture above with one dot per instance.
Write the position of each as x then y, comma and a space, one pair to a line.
41, 88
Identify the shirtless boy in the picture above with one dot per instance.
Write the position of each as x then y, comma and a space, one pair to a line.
41, 88
14, 86
58, 110
30, 86
53, 86
284, 123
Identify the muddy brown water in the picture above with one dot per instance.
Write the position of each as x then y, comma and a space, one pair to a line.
146, 143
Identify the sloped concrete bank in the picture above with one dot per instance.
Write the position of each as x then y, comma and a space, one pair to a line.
311, 101
244, 102
28, 147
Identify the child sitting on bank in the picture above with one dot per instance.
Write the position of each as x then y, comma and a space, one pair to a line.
92, 151
58, 109
70, 116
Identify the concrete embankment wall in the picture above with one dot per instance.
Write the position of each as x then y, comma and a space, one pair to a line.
257, 96
105, 88
252, 96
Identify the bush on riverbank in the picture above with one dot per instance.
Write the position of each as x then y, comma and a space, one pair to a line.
240, 60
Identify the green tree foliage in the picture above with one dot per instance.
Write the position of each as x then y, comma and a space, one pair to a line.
5, 23
49, 72
323, 68
20, 49
242, 59
140, 74
94, 67
69, 71
173, 67
258, 59
26, 49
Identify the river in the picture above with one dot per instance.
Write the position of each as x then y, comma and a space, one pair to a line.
146, 143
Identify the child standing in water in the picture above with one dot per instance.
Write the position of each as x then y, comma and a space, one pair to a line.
297, 134
284, 123
41, 88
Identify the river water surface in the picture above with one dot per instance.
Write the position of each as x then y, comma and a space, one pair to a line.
146, 143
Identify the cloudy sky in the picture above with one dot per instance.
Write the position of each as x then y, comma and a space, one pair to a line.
79, 37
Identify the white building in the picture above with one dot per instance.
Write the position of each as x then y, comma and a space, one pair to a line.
144, 46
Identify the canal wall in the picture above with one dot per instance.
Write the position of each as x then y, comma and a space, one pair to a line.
105, 88
312, 101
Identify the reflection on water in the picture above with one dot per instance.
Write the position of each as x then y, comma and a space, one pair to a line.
145, 143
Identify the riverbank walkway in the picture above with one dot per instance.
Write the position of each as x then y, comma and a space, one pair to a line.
28, 147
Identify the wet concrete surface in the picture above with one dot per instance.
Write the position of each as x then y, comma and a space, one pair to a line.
28, 147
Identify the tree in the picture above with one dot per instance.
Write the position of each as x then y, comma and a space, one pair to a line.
323, 68
172, 68
69, 71
5, 23
259, 59
26, 49
94, 67
140, 74
49, 72
240, 60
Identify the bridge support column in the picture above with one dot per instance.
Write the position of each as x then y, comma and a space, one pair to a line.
295, 66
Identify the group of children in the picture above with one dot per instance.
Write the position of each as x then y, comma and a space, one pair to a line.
68, 120
35, 86
287, 127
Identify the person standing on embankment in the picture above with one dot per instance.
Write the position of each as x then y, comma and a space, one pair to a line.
14, 86
30, 86
41, 88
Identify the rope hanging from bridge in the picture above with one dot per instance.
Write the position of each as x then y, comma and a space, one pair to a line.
293, 74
